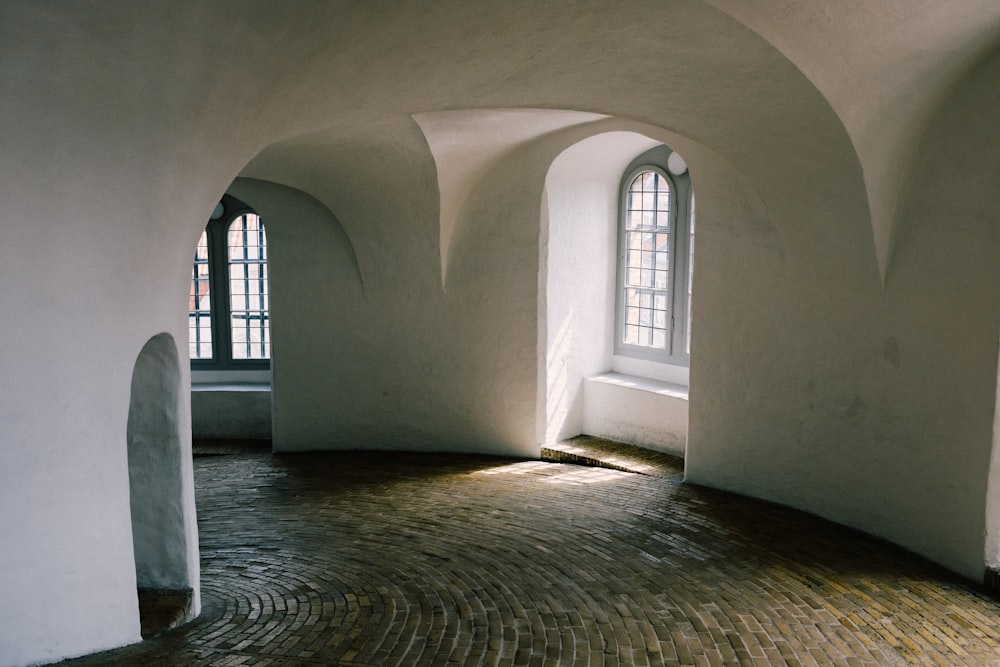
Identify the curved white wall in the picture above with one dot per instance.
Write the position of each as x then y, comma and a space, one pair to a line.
813, 387
116, 148
945, 271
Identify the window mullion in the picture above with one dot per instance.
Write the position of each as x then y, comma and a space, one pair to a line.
218, 256
672, 270
263, 288
245, 275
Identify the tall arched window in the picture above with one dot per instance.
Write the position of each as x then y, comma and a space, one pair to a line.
228, 316
656, 240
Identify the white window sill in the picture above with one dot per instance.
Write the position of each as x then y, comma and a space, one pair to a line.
201, 378
670, 389
231, 386
638, 410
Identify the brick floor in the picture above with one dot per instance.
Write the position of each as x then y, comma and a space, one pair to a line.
422, 559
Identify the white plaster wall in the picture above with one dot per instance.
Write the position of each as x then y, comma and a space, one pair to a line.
314, 280
104, 186
381, 356
68, 358
885, 68
231, 411
976, 200
581, 199
992, 532
813, 387
945, 287
466, 144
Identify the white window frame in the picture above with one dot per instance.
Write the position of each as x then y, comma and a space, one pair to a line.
676, 351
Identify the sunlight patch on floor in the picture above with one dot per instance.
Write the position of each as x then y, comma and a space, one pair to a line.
558, 473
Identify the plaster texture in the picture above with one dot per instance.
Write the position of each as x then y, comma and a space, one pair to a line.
417, 166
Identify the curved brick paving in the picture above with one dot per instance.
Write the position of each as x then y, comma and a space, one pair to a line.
403, 559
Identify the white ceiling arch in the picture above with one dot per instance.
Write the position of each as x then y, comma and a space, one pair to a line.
885, 67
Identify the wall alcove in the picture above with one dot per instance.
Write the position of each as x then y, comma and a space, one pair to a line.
156, 462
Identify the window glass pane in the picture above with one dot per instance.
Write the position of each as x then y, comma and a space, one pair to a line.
663, 200
248, 285
199, 304
647, 259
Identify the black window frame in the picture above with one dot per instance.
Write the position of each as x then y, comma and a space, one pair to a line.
216, 232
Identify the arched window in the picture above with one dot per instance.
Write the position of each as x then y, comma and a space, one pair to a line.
228, 315
655, 244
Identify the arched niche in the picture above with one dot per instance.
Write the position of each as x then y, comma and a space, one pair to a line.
579, 250
164, 533
587, 384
